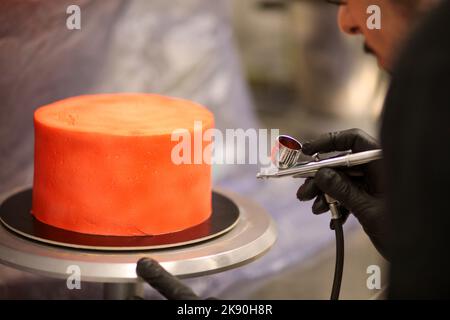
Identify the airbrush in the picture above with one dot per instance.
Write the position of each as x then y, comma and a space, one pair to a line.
288, 160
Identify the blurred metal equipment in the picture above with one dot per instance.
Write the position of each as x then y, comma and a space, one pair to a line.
252, 237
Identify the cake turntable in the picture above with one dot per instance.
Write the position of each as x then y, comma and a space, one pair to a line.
238, 232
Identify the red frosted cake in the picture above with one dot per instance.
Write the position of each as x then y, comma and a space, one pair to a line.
103, 165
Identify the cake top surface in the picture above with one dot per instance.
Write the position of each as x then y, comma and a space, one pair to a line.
124, 114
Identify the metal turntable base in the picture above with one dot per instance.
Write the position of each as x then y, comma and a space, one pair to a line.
250, 238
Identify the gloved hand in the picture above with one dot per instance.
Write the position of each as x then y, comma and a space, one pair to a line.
162, 281
358, 189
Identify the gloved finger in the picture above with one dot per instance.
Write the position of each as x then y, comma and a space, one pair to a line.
165, 283
320, 205
308, 190
353, 171
353, 139
303, 176
341, 188
345, 215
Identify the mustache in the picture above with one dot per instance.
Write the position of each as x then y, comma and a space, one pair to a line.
368, 49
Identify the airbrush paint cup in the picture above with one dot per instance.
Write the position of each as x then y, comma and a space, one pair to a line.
286, 152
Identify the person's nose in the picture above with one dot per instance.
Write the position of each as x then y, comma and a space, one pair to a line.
346, 22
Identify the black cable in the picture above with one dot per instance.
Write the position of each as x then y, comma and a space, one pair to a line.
339, 266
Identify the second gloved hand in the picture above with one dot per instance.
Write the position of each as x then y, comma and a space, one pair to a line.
165, 283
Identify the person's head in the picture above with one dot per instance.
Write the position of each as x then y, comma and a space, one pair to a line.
398, 19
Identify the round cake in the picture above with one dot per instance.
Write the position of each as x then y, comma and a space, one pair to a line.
103, 165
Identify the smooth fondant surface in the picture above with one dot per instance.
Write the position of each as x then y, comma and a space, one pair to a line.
103, 165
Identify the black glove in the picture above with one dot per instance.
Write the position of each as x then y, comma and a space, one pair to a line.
162, 281
165, 283
359, 189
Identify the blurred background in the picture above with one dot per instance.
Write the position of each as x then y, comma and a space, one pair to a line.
305, 76
254, 63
